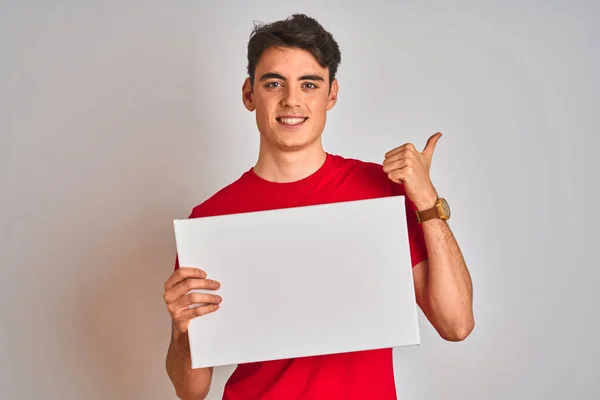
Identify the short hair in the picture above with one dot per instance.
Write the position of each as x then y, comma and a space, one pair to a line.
297, 31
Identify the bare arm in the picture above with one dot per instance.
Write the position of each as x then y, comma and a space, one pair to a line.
443, 284
189, 384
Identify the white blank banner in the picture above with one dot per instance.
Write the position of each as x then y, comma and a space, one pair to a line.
303, 281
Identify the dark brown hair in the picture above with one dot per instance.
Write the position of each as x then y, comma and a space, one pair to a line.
298, 31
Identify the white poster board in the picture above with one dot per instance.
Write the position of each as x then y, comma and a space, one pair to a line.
302, 281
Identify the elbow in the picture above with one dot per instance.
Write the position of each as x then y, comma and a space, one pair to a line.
187, 393
452, 324
194, 396
459, 331
456, 336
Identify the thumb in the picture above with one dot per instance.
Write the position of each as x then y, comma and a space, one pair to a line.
430, 146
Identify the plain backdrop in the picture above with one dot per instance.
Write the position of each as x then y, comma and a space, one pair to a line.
118, 117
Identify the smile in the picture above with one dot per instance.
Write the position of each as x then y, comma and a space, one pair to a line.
291, 121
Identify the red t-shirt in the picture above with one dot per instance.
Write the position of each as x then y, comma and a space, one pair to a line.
354, 375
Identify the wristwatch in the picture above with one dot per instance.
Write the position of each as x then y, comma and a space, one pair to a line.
441, 210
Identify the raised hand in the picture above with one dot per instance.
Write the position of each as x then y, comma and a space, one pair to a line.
406, 165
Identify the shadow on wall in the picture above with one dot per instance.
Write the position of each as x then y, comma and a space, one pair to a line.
136, 145
120, 327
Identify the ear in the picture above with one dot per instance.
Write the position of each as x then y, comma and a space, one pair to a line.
333, 93
248, 95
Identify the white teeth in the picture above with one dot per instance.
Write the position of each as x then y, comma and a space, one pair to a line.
292, 121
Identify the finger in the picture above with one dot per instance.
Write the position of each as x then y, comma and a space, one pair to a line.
182, 321
395, 164
396, 176
183, 273
188, 314
430, 145
203, 310
189, 299
399, 155
400, 175
187, 285
407, 146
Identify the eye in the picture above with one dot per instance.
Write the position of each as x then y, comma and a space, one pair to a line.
310, 85
271, 85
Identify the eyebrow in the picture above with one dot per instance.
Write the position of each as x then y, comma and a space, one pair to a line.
273, 75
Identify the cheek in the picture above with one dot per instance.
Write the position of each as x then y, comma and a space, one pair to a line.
264, 107
318, 108
264, 121
322, 103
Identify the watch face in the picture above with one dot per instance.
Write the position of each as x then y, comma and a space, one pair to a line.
446, 208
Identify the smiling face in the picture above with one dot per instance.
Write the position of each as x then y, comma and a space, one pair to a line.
291, 97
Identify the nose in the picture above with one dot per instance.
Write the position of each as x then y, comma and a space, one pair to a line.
291, 97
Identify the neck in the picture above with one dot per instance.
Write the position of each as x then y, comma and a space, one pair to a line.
289, 166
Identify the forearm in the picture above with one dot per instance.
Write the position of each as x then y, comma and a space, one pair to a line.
189, 383
449, 288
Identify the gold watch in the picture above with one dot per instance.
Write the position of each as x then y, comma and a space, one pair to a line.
441, 210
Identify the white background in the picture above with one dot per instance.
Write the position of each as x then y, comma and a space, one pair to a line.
116, 118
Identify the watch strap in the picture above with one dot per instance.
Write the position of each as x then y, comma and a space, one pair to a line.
426, 215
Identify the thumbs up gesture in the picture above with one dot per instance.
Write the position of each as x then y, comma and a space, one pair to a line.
405, 165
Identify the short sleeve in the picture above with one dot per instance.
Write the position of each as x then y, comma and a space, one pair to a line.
220, 203
197, 212
176, 267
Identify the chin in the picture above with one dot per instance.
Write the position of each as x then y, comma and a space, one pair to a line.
298, 143
288, 140
293, 146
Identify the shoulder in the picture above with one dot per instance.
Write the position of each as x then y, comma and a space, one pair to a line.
357, 165
366, 173
223, 201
